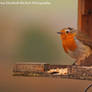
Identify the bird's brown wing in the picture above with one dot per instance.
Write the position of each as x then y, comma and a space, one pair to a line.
84, 38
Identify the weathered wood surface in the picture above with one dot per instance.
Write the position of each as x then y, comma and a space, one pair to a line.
55, 76
85, 17
73, 72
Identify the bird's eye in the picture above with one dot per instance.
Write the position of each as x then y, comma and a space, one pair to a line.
67, 31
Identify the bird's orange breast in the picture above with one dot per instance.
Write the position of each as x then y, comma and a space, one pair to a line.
69, 43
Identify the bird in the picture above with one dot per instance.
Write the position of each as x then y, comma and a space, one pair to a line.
77, 48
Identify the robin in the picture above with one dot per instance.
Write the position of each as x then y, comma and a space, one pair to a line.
73, 46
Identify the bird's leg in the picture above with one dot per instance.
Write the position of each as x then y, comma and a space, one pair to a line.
81, 59
74, 63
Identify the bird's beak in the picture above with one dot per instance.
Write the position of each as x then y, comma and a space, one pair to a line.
58, 32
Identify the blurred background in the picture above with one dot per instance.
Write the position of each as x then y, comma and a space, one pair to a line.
29, 33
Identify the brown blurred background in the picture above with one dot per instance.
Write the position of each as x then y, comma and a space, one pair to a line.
29, 33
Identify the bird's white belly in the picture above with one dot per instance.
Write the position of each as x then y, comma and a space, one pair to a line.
81, 50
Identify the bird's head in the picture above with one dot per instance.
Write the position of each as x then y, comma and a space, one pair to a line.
68, 39
67, 33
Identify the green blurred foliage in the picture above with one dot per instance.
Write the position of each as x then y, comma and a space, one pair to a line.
38, 46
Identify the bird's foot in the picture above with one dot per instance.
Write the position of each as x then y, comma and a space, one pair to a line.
73, 64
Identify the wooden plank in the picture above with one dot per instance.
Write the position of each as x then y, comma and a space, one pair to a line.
85, 17
79, 16
60, 71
